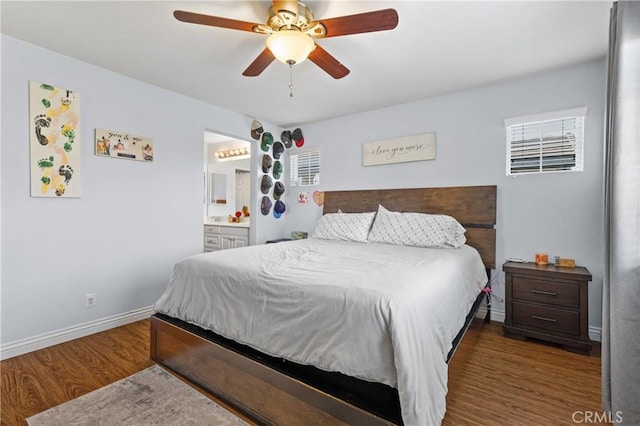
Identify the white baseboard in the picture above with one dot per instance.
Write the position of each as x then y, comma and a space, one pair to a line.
31, 344
595, 333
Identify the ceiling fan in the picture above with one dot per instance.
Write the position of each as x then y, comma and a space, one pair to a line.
292, 32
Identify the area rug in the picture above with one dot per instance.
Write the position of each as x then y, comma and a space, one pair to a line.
150, 397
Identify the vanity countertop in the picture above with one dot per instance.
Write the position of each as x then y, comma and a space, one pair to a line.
225, 223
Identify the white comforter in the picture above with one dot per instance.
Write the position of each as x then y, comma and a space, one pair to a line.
379, 312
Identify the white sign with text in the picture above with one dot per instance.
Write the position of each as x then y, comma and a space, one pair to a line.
399, 150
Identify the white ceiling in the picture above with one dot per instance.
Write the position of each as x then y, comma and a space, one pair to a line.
437, 48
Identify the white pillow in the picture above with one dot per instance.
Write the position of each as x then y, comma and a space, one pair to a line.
417, 229
344, 226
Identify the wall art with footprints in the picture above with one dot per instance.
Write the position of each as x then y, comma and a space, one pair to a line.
54, 141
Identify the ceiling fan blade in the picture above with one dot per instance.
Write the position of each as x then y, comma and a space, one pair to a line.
379, 20
328, 63
259, 64
213, 21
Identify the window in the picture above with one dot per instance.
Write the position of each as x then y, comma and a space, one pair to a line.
305, 168
542, 143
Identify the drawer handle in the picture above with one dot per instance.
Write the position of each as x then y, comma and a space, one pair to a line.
542, 318
546, 293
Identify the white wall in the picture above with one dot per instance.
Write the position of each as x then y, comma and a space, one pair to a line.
559, 213
134, 220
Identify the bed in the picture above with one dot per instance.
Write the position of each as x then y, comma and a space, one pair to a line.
303, 332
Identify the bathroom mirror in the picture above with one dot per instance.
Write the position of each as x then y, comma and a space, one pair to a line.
218, 188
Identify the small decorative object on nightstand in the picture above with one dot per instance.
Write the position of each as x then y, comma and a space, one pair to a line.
548, 302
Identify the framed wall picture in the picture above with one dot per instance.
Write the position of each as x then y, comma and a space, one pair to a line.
110, 143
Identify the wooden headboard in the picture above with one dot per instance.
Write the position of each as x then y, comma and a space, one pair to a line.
473, 206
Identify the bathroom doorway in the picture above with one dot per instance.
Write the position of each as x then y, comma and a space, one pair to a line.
227, 168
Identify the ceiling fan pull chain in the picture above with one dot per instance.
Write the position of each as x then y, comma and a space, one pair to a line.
290, 78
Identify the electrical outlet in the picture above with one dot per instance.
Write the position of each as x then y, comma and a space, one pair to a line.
91, 300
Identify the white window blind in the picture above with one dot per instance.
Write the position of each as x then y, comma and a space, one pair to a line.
305, 168
548, 142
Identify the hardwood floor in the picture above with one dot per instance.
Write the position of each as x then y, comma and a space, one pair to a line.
503, 382
36, 381
514, 382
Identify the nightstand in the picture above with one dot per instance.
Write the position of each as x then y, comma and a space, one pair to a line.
549, 303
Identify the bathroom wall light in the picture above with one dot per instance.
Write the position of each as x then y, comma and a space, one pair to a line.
228, 153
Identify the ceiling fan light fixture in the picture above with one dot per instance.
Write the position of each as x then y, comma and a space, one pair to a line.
290, 46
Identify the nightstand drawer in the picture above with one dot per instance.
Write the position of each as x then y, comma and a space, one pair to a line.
555, 293
547, 318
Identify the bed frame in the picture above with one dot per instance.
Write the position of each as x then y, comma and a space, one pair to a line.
275, 391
